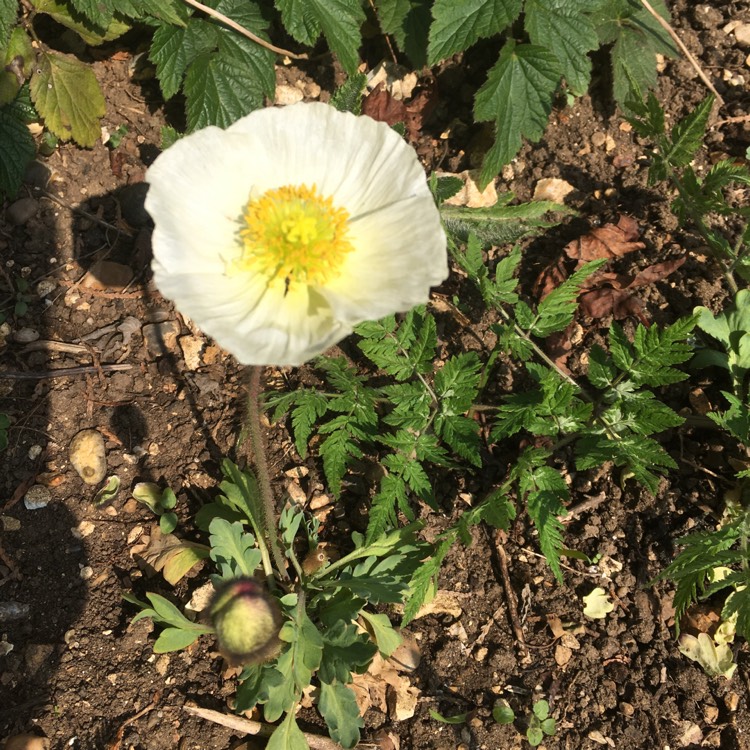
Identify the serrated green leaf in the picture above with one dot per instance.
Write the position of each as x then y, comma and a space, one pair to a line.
557, 309
601, 372
67, 95
91, 32
99, 12
637, 37
687, 134
457, 26
173, 49
233, 549
310, 407
8, 15
424, 577
408, 21
338, 706
340, 21
300, 20
348, 96
218, 93
562, 27
227, 74
383, 509
169, 11
288, 736
337, 452
174, 639
444, 188
16, 150
345, 649
545, 491
517, 97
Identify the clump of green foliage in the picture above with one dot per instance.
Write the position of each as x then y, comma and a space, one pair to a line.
321, 606
224, 75
539, 723
726, 344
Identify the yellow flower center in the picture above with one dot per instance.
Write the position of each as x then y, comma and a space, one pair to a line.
293, 234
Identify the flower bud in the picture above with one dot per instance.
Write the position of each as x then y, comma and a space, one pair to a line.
247, 621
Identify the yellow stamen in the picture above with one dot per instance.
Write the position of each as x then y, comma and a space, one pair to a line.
292, 234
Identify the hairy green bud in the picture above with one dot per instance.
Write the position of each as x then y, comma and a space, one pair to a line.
247, 621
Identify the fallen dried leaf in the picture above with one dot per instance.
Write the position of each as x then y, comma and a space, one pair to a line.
609, 241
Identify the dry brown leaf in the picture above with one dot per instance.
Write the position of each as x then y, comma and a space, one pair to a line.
618, 298
172, 556
381, 106
444, 602
609, 241
402, 702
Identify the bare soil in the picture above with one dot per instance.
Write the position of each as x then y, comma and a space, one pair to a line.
72, 666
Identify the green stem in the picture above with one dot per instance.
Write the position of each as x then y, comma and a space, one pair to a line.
268, 511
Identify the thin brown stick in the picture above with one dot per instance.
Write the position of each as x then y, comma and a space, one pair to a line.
248, 726
117, 742
86, 214
242, 30
63, 372
510, 596
685, 51
585, 505
731, 120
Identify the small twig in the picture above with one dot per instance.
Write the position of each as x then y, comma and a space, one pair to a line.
731, 120
242, 30
248, 726
510, 597
115, 744
685, 51
589, 504
63, 372
85, 214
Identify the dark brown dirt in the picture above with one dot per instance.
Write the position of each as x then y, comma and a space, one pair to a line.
76, 670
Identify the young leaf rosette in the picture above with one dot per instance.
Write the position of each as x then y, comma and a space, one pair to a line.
281, 233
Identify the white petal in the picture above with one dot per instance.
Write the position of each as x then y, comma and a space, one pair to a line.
400, 253
257, 324
362, 163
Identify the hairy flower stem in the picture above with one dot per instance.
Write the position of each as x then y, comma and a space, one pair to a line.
268, 511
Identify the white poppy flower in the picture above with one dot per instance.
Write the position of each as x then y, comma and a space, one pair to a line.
282, 232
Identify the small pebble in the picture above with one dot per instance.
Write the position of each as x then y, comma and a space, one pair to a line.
38, 496
34, 452
9, 523
26, 742
106, 274
191, 351
86, 572
742, 34
10, 611
45, 287
88, 456
21, 211
288, 94
26, 335
161, 338
83, 529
